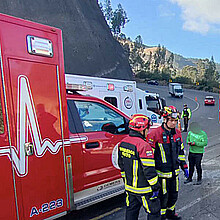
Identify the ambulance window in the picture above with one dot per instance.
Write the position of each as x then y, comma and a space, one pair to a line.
152, 104
140, 104
97, 117
2, 130
112, 100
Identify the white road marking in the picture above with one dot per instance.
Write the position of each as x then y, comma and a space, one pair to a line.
197, 200
107, 214
193, 101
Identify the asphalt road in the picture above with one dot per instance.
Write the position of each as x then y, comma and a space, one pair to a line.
195, 202
206, 116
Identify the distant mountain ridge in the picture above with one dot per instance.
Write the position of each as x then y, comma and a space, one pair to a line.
149, 58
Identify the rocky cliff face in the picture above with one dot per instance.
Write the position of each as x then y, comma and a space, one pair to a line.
89, 47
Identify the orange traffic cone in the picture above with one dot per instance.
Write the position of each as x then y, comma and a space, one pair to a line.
196, 99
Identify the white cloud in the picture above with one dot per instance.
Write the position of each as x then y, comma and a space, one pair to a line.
200, 15
164, 11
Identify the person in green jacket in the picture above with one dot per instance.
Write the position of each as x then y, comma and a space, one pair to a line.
197, 140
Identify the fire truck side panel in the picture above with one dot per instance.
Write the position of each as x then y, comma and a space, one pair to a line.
36, 114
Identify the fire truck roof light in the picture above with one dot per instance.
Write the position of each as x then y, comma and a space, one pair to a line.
76, 87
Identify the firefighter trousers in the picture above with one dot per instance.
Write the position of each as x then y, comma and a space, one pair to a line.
195, 159
134, 203
168, 194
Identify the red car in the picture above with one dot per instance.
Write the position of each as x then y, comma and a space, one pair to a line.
209, 100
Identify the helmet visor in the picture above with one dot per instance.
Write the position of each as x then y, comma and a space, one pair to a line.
174, 115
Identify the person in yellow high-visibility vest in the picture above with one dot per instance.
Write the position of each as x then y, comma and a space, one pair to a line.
186, 115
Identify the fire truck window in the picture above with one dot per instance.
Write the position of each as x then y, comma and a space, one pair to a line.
95, 117
112, 100
2, 129
140, 104
75, 124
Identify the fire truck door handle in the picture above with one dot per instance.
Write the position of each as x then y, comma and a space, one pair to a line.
92, 145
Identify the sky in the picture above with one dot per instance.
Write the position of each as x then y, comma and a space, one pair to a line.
190, 28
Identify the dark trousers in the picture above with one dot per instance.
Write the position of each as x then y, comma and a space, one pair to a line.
168, 194
195, 160
134, 203
186, 121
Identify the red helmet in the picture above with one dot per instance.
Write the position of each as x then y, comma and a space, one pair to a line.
139, 122
170, 111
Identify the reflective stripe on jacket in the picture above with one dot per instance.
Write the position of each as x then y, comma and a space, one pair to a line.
136, 161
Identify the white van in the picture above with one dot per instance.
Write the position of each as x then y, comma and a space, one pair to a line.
176, 90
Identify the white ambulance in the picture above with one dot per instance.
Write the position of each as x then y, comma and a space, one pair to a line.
123, 94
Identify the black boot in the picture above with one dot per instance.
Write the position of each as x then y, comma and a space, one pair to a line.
188, 181
172, 215
198, 182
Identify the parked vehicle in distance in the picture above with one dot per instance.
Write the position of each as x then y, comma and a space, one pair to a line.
209, 100
152, 82
176, 90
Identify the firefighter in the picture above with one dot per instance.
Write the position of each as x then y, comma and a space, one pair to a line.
169, 156
136, 161
186, 115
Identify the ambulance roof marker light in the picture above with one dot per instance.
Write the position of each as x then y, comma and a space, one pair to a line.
128, 88
110, 87
88, 84
76, 87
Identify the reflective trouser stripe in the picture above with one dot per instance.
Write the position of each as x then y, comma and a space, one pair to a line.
164, 186
145, 204
123, 174
182, 157
127, 199
177, 183
172, 207
162, 152
163, 211
135, 172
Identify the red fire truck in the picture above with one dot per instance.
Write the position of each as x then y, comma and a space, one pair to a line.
58, 151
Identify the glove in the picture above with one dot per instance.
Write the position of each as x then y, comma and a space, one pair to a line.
155, 195
186, 173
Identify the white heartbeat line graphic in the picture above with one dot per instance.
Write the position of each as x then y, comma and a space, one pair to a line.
27, 122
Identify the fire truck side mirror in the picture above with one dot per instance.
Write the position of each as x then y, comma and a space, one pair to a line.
29, 149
